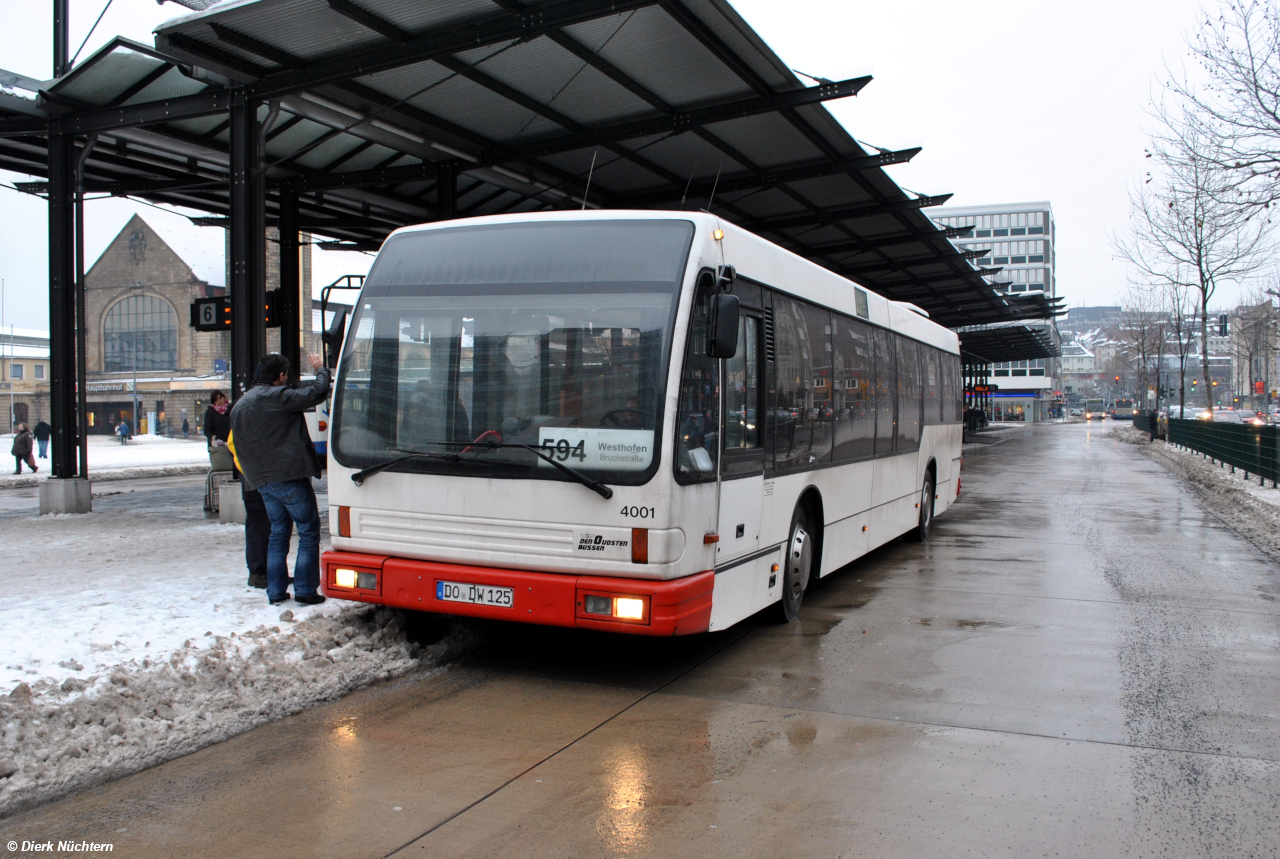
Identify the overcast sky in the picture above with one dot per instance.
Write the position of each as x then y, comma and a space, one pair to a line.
1012, 101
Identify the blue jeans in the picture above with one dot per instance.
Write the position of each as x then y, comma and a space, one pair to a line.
296, 500
44, 448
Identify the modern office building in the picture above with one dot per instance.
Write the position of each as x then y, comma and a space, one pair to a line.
1018, 238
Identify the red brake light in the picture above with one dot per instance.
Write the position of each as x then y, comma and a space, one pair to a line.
639, 545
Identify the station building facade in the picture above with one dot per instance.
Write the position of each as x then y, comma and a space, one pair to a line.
1019, 239
139, 341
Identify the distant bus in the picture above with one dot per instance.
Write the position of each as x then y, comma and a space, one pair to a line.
1093, 409
1124, 410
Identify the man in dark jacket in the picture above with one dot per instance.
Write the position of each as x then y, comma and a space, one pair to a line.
42, 432
277, 458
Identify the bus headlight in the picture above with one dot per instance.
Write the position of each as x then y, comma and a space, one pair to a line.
625, 609
628, 608
345, 578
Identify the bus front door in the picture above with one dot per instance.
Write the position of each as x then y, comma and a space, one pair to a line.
742, 461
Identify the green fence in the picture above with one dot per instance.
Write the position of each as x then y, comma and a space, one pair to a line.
1144, 421
1244, 446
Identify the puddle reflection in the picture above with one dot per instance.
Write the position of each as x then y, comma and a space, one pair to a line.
625, 824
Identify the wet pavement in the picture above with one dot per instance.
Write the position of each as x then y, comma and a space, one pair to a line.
1081, 662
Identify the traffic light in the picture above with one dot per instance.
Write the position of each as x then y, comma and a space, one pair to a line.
272, 319
211, 314
1117, 378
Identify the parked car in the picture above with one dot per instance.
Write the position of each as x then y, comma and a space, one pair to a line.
1075, 413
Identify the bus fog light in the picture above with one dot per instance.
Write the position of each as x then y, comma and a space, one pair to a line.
598, 605
345, 578
368, 581
628, 608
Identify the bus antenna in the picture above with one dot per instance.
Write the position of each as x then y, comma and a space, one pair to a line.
590, 173
685, 195
714, 185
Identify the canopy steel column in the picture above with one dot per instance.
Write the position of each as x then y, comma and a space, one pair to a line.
289, 301
61, 42
248, 245
446, 191
82, 370
62, 303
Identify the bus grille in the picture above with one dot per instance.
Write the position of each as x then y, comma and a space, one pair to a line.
426, 532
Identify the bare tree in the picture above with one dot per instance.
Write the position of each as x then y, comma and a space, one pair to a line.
1233, 100
1182, 313
1189, 229
1140, 332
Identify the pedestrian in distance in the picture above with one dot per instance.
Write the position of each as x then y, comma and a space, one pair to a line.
42, 432
22, 444
123, 430
217, 426
277, 458
186, 428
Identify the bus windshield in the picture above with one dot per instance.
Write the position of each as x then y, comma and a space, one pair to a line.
550, 334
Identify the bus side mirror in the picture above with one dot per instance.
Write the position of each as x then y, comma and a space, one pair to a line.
333, 338
722, 326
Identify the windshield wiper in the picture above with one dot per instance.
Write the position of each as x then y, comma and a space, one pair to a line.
361, 476
594, 485
490, 444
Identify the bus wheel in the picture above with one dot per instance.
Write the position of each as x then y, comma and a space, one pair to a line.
796, 568
920, 533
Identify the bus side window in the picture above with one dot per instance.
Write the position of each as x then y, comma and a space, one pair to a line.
886, 385
932, 385
908, 395
698, 424
855, 376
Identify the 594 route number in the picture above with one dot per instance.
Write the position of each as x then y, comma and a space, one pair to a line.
639, 513
561, 450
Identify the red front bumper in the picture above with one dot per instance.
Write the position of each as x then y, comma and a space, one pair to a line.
678, 607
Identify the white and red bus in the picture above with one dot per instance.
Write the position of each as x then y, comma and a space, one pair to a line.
645, 422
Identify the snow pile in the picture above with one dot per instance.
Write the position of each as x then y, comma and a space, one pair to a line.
128, 638
1128, 434
144, 456
59, 738
87, 593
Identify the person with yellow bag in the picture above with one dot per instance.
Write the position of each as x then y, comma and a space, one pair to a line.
277, 458
257, 528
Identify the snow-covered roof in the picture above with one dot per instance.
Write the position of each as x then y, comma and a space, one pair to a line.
20, 351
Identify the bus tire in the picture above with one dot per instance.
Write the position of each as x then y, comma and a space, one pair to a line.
797, 567
920, 533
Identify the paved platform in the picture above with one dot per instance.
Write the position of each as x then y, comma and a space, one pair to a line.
1082, 662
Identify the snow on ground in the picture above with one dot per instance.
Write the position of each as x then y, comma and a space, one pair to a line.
143, 456
129, 638
1251, 510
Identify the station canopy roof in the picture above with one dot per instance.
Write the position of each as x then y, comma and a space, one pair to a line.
994, 344
367, 105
